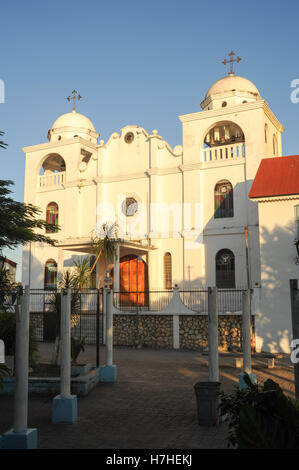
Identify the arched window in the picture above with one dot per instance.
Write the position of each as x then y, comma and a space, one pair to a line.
52, 217
50, 274
52, 171
274, 145
224, 133
167, 271
225, 269
224, 200
266, 133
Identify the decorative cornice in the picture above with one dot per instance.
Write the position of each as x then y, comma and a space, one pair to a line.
287, 197
214, 113
59, 144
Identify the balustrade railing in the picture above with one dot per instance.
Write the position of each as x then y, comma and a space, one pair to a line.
52, 179
223, 153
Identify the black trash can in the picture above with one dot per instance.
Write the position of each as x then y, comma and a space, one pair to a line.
207, 403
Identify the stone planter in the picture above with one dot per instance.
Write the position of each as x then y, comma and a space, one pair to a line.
80, 369
207, 403
10, 363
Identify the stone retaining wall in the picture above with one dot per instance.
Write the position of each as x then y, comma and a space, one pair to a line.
194, 331
157, 331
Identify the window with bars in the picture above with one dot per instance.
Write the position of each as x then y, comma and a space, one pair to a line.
167, 271
224, 200
225, 269
52, 217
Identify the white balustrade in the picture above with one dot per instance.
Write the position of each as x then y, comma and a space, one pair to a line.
223, 153
52, 179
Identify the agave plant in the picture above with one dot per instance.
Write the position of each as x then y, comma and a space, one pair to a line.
77, 345
67, 280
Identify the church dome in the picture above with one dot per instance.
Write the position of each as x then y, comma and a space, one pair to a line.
230, 91
232, 83
71, 125
73, 119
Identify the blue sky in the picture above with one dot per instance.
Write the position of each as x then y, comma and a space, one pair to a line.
137, 62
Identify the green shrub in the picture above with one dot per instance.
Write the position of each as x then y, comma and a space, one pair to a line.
261, 418
8, 335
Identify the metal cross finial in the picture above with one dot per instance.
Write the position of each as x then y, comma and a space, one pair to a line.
75, 97
231, 62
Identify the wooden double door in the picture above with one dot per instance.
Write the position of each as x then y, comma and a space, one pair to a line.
133, 281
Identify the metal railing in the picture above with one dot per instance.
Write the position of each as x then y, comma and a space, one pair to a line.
195, 299
149, 301
86, 315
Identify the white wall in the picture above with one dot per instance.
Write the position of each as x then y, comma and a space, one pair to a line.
277, 234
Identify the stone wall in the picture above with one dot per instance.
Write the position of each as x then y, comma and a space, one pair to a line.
154, 331
194, 331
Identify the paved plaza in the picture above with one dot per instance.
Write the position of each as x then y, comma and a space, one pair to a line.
152, 404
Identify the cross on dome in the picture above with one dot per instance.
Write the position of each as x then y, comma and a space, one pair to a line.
76, 96
231, 62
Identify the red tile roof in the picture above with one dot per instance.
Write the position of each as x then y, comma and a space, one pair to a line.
277, 176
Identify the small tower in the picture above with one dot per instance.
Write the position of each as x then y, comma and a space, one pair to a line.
226, 142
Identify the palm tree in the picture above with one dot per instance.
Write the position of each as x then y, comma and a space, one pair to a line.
82, 272
105, 243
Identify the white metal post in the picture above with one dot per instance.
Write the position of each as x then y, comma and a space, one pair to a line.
22, 360
213, 334
65, 328
247, 331
109, 327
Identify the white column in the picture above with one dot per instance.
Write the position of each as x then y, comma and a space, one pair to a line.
116, 275
247, 331
176, 331
213, 334
22, 359
65, 328
60, 262
109, 327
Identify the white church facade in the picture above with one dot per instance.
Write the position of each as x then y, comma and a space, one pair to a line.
183, 212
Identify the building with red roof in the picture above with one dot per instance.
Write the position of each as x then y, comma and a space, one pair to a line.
276, 189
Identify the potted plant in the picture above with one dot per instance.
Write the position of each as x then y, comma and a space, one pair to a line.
77, 345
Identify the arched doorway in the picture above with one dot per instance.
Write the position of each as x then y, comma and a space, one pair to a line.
133, 281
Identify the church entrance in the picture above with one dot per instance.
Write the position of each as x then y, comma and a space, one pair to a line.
133, 281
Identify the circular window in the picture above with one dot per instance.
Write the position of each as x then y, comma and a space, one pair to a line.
224, 104
129, 137
129, 206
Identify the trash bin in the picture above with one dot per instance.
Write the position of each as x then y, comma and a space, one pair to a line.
207, 403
